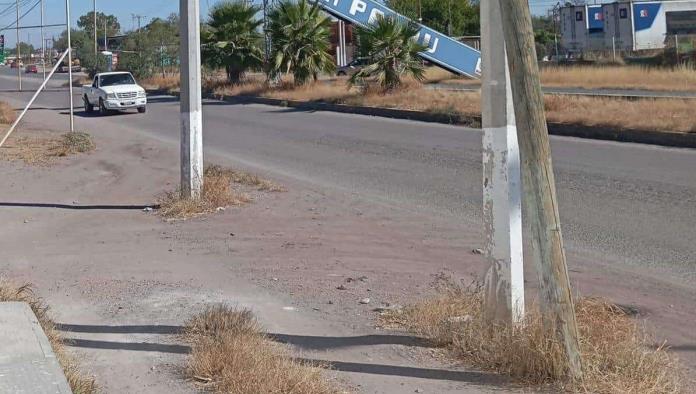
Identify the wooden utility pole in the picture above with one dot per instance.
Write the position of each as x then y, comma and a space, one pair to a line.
502, 206
539, 196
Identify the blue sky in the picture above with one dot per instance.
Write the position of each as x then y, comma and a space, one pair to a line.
55, 13
123, 9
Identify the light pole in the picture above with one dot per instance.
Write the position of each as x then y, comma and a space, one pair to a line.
19, 53
96, 50
70, 80
43, 42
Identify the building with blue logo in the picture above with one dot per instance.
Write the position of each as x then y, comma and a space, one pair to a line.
626, 25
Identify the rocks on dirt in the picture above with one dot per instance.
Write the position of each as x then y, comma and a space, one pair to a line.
341, 287
387, 307
365, 301
477, 251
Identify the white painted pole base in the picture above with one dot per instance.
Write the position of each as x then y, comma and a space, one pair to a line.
502, 209
503, 225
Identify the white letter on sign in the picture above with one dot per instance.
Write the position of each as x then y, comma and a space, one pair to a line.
426, 42
357, 6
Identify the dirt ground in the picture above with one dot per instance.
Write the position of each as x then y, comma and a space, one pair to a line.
121, 280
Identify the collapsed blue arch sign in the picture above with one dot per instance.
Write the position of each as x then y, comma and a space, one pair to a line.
442, 50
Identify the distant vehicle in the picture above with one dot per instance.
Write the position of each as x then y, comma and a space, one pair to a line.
353, 67
16, 64
31, 69
114, 91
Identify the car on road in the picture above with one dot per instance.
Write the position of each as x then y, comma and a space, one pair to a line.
353, 67
31, 69
114, 91
16, 64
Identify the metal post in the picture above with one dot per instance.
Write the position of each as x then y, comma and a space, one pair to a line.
191, 106
502, 207
676, 46
31, 102
43, 42
70, 79
613, 47
106, 37
19, 53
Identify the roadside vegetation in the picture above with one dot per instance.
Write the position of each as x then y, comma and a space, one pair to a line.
43, 149
618, 355
300, 41
7, 113
80, 382
221, 189
231, 354
389, 43
666, 115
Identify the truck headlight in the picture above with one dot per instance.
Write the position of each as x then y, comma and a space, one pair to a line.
111, 95
141, 94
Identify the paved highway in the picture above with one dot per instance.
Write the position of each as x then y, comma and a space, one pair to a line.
620, 203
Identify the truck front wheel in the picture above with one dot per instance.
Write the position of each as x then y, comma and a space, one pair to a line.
102, 107
142, 110
88, 107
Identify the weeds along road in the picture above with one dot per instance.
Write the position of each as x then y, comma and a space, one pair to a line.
621, 204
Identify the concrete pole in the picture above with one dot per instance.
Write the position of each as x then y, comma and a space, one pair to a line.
96, 50
191, 106
502, 207
19, 53
70, 78
43, 41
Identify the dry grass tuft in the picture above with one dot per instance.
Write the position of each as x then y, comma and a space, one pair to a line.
611, 77
617, 354
7, 113
246, 179
75, 142
79, 382
230, 354
42, 150
217, 193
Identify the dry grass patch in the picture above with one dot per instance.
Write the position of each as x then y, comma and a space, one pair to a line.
628, 77
656, 115
167, 82
618, 357
7, 113
230, 354
218, 193
79, 381
42, 150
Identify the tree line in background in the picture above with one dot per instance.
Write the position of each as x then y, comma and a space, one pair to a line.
232, 39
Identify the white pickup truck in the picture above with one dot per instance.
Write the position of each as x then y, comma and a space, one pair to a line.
114, 91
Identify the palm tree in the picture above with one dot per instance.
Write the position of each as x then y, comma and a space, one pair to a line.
300, 40
231, 39
392, 51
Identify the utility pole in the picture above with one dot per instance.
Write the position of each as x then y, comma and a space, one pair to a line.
502, 210
538, 181
191, 106
43, 42
70, 79
96, 50
19, 52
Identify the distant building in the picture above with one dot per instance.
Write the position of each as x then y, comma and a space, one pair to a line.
629, 25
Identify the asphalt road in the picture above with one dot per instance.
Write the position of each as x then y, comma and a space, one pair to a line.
620, 203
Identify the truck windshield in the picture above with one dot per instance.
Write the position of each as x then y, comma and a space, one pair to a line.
117, 79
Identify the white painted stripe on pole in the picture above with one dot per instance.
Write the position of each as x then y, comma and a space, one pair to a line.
192, 127
503, 208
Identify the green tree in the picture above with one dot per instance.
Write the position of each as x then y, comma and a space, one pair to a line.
392, 51
86, 23
461, 17
231, 39
300, 40
151, 49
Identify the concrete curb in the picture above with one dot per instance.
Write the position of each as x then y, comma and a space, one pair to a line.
670, 139
27, 362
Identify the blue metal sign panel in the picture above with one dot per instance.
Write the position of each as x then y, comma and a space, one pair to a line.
442, 50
